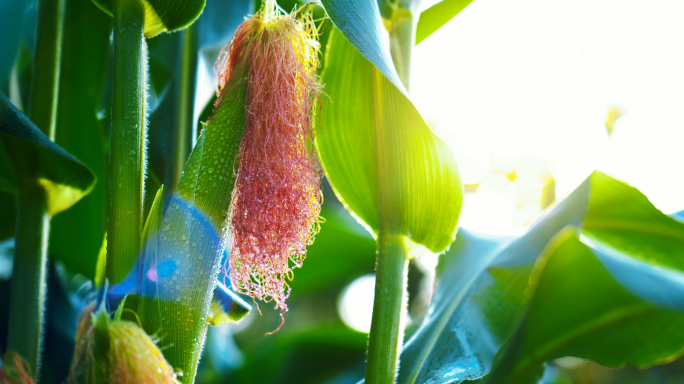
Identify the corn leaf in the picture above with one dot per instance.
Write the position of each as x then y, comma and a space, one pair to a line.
436, 16
595, 317
163, 15
36, 159
483, 291
380, 156
83, 134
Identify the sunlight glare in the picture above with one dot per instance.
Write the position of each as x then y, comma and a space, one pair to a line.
356, 303
536, 79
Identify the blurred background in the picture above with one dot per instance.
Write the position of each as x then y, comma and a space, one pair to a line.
532, 96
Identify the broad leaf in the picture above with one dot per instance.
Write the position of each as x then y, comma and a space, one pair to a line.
36, 159
580, 309
378, 153
481, 283
622, 218
436, 16
163, 15
82, 133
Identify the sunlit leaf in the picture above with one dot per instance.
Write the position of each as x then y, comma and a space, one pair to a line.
36, 159
81, 133
163, 15
226, 306
621, 217
436, 16
380, 156
481, 284
580, 309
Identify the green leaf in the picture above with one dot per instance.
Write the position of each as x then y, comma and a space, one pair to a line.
85, 57
163, 15
36, 159
580, 309
226, 306
153, 223
101, 266
101, 338
481, 296
623, 218
378, 153
436, 16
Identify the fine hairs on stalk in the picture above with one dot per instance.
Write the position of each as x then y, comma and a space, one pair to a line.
277, 197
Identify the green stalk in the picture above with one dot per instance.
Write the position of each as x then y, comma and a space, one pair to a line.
389, 306
27, 296
185, 110
126, 162
402, 39
27, 292
269, 9
46, 62
391, 296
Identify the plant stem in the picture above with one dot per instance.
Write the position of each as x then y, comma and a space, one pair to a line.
184, 110
27, 295
27, 292
126, 164
402, 40
269, 9
46, 63
389, 306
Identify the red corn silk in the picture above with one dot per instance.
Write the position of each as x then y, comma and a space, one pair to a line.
277, 197
15, 370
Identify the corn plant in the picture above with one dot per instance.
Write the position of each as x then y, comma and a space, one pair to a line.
174, 212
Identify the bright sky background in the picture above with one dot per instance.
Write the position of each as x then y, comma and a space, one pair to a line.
526, 86
531, 81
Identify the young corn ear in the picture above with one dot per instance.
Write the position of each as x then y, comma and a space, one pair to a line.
116, 352
277, 197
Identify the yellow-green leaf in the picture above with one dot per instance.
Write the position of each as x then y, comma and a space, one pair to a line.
436, 16
36, 159
163, 15
381, 157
